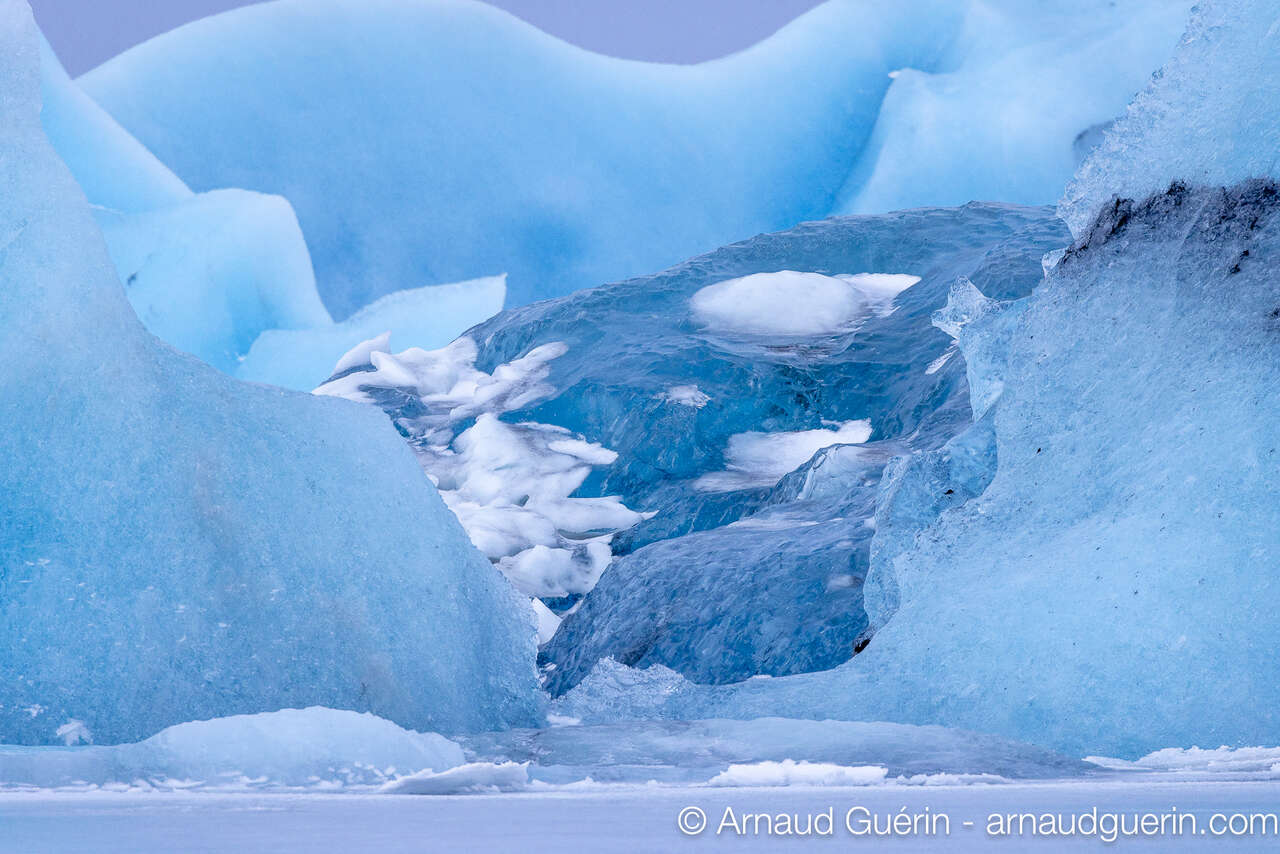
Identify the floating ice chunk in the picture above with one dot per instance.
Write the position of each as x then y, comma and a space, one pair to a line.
314, 748
1233, 763
427, 317
789, 772
293, 746
788, 304
757, 459
473, 778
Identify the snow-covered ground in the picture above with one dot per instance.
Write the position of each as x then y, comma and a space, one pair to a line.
629, 819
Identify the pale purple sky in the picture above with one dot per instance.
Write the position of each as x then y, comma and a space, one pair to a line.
88, 32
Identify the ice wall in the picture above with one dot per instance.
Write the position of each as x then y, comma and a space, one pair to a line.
1212, 115
177, 545
436, 140
1112, 589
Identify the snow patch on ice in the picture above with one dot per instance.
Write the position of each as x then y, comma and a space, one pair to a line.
423, 317
755, 459
789, 304
511, 485
686, 395
472, 778
74, 732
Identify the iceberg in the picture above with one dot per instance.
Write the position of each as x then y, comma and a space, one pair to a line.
758, 508
114, 169
438, 140
205, 272
646, 378
1211, 116
1109, 590
210, 274
178, 545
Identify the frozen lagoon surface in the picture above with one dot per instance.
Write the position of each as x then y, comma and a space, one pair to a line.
617, 787
628, 820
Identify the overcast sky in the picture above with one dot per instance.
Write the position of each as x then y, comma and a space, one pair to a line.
87, 32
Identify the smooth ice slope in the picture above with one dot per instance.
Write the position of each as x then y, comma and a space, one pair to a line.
213, 272
177, 545
429, 317
1212, 116
316, 748
1112, 591
207, 273
114, 169
436, 140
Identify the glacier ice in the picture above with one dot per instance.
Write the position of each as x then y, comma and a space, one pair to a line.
209, 274
1008, 116
427, 142
205, 272
747, 566
646, 379
176, 544
298, 749
651, 383
1211, 116
1110, 589
427, 317
114, 169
